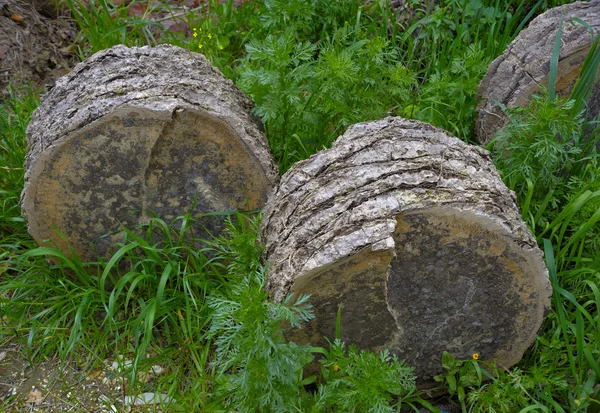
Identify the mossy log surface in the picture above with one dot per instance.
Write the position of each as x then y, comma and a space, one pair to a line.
412, 233
137, 131
525, 65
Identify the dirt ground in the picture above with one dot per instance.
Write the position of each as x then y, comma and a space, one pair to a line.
34, 44
53, 386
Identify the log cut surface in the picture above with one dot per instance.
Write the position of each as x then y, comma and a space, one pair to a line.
134, 131
525, 65
413, 234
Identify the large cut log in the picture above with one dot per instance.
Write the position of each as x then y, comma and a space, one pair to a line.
411, 233
135, 131
525, 65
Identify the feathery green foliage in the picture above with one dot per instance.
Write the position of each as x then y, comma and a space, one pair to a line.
361, 381
259, 369
306, 103
542, 140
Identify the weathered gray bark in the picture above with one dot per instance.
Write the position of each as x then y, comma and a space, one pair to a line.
132, 130
525, 65
413, 234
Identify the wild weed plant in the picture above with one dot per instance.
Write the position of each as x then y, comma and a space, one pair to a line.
313, 67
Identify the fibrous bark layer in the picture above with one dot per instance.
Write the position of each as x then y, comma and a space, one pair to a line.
412, 233
525, 65
135, 131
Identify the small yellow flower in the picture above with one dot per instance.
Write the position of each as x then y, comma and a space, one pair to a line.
475, 356
336, 367
210, 36
195, 34
200, 46
220, 47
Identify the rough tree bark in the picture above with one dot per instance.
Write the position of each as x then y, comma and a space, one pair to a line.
525, 65
132, 130
413, 234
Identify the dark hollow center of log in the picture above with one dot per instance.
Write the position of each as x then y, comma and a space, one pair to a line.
136, 160
453, 286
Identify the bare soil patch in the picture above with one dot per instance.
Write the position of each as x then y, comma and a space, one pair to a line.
52, 386
35, 44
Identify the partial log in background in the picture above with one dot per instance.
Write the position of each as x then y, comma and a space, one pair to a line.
137, 130
525, 65
414, 236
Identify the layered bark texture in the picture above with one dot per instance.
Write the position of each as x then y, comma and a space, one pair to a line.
414, 236
134, 131
525, 65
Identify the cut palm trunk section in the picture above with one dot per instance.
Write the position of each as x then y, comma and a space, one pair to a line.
411, 233
524, 67
137, 131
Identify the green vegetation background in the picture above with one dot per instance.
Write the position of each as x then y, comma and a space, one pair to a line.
314, 67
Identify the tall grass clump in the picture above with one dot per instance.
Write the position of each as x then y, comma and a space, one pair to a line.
150, 281
146, 304
104, 24
15, 114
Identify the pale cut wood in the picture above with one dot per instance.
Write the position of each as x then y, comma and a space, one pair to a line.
135, 131
412, 233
